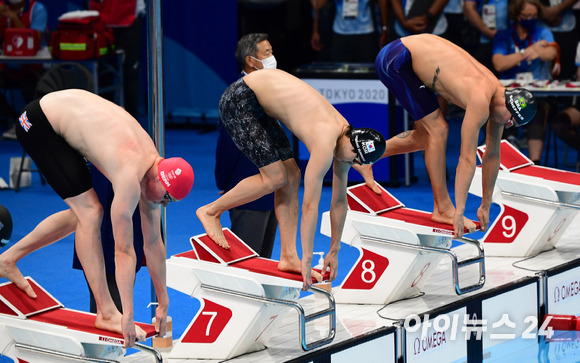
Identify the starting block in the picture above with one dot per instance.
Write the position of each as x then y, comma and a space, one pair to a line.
243, 299
399, 249
537, 204
42, 330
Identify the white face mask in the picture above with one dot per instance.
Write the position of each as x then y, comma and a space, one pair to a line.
267, 63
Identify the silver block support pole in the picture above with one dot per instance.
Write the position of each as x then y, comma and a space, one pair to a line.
155, 94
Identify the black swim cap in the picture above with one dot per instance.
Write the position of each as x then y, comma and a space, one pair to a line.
369, 144
5, 226
521, 104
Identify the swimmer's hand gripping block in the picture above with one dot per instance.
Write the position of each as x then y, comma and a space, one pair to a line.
243, 300
399, 250
42, 330
537, 204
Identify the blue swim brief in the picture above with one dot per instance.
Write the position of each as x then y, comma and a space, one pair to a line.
395, 69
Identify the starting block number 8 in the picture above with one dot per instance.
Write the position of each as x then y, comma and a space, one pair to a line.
367, 271
368, 275
508, 225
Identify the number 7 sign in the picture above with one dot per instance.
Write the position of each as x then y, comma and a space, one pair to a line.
209, 324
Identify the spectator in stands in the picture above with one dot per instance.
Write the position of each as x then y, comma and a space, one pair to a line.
487, 17
566, 125
559, 18
354, 38
526, 51
420, 17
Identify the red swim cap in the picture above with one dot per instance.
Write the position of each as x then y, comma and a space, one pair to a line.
176, 175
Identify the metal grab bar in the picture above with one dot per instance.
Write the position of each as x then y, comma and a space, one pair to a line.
56, 353
303, 318
479, 259
541, 200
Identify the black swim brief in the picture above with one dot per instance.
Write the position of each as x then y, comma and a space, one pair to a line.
260, 137
64, 168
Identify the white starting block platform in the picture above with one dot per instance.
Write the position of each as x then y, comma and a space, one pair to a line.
399, 248
517, 289
42, 330
537, 205
243, 299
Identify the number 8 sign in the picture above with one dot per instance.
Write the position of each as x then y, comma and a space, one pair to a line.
367, 272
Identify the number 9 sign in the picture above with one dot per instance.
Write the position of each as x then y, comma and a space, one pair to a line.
508, 225
367, 272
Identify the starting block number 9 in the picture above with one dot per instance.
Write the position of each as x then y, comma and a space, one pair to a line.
508, 225
366, 272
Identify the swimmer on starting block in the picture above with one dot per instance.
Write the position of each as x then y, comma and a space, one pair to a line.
59, 131
416, 67
249, 109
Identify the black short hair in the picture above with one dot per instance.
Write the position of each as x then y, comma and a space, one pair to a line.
248, 45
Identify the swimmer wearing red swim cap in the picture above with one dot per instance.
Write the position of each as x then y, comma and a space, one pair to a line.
60, 140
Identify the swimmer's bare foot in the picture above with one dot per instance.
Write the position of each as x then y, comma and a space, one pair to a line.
294, 265
113, 324
11, 272
141, 335
446, 219
469, 225
442, 218
110, 323
317, 276
212, 226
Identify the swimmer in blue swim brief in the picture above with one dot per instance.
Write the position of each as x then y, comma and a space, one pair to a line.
415, 69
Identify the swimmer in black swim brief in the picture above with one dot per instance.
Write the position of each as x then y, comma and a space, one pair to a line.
260, 137
63, 167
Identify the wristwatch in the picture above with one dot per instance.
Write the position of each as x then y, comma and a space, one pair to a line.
429, 15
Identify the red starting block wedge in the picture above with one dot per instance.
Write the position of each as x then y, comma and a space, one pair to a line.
243, 298
537, 204
562, 322
399, 249
42, 329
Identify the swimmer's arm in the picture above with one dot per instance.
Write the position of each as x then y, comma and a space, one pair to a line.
155, 254
472, 122
127, 192
318, 164
338, 209
489, 168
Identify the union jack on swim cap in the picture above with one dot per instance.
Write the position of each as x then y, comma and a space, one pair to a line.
176, 175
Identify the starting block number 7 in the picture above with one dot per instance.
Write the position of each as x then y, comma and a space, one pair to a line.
368, 270
208, 324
